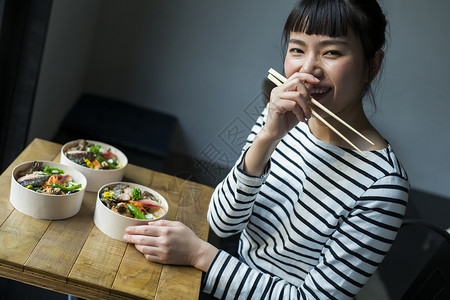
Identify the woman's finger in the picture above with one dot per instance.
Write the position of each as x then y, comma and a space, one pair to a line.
292, 101
141, 239
299, 113
147, 249
153, 228
153, 258
303, 78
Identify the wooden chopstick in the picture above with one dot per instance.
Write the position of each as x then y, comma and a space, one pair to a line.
336, 131
274, 80
282, 79
279, 79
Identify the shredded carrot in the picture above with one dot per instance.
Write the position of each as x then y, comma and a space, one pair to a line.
96, 164
52, 180
139, 206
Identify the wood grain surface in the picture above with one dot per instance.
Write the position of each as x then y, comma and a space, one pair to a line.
73, 256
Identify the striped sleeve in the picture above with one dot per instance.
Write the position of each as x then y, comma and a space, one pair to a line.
233, 199
361, 241
347, 260
229, 278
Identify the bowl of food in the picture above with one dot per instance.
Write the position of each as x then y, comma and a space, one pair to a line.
99, 162
121, 204
47, 190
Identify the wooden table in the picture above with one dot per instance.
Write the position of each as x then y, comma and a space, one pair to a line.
73, 256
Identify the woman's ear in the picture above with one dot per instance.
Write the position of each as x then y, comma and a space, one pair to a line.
375, 64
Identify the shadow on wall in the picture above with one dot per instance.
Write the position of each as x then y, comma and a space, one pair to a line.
144, 135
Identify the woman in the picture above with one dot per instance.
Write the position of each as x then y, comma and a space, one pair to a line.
316, 218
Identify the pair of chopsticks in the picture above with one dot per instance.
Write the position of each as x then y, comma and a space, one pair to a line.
279, 79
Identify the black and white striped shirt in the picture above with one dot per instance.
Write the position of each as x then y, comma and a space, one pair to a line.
315, 226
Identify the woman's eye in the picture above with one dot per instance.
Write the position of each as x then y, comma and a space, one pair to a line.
295, 51
333, 53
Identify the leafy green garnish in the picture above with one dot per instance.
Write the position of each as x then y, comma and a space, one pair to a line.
52, 171
95, 149
136, 194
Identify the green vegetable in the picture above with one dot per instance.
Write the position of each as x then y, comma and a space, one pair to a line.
136, 194
114, 164
51, 171
65, 188
136, 212
95, 149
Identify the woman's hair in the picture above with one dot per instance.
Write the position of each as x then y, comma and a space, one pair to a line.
335, 17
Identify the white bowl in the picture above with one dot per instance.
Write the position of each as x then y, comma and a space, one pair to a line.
45, 206
96, 178
114, 224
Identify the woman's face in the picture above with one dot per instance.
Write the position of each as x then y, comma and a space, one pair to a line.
338, 62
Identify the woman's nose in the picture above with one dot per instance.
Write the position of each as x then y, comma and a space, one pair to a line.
311, 65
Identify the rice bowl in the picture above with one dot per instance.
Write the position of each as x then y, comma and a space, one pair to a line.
96, 178
42, 205
114, 224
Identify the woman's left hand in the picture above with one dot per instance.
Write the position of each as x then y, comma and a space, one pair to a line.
171, 242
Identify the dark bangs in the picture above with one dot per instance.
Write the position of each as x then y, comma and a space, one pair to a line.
336, 18
321, 17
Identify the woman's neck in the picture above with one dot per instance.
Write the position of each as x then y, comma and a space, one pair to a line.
354, 117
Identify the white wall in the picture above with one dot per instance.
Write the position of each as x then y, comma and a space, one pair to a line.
204, 62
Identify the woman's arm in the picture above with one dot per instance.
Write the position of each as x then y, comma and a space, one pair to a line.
347, 260
289, 105
258, 155
232, 201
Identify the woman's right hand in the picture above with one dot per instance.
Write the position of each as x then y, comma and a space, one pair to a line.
289, 104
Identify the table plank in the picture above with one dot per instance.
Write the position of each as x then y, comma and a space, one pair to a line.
19, 235
58, 249
176, 282
171, 188
5, 205
138, 175
165, 182
98, 261
194, 203
172, 283
136, 276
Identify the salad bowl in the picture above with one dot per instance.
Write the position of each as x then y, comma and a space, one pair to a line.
113, 213
61, 203
99, 162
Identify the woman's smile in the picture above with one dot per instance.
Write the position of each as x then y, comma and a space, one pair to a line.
319, 92
338, 62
